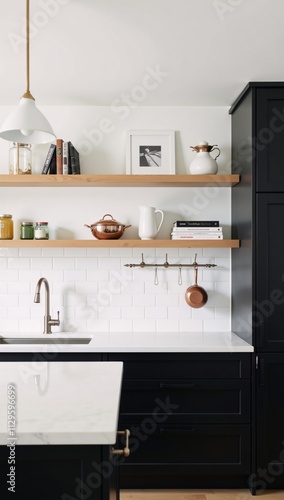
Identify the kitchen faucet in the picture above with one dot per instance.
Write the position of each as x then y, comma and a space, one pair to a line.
48, 322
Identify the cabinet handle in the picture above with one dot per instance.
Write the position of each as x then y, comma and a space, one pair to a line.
177, 386
125, 452
178, 431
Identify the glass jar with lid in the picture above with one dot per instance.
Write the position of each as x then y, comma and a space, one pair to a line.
6, 227
27, 230
41, 231
20, 159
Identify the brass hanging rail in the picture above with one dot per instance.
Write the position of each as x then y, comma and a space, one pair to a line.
166, 264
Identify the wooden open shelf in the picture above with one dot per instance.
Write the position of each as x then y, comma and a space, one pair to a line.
120, 243
119, 180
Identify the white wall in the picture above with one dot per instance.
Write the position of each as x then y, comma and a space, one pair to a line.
91, 287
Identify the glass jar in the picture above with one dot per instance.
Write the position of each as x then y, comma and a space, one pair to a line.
20, 159
41, 231
27, 231
6, 227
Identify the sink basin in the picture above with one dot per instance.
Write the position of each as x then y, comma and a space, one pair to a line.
44, 340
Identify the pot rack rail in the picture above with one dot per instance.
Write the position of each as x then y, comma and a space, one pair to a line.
166, 264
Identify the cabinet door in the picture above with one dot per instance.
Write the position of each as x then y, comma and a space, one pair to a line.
268, 304
270, 418
269, 139
186, 455
58, 473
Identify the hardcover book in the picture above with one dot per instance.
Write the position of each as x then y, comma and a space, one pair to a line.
197, 223
50, 155
59, 156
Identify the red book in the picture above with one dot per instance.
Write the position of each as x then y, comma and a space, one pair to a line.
59, 156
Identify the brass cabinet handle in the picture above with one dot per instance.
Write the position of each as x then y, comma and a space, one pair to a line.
126, 450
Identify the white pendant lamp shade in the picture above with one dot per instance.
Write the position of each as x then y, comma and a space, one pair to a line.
27, 125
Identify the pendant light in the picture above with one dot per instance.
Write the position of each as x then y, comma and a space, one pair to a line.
26, 124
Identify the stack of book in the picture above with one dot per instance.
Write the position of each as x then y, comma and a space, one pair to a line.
62, 158
196, 230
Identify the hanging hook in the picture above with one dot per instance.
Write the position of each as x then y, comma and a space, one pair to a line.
142, 263
166, 263
179, 276
156, 279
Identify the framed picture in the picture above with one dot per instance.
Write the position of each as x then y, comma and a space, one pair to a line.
150, 152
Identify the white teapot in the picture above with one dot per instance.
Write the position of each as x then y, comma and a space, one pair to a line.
204, 163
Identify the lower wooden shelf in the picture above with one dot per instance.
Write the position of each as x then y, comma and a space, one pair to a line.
120, 243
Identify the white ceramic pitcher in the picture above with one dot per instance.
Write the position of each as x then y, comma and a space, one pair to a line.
148, 227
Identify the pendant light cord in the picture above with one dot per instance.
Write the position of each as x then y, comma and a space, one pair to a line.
27, 94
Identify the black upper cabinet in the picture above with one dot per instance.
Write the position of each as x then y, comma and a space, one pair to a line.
258, 137
269, 139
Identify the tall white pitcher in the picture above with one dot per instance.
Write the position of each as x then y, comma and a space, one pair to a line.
148, 227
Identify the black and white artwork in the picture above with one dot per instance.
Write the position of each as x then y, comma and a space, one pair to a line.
150, 152
150, 156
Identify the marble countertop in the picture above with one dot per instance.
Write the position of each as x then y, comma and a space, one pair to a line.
130, 342
59, 402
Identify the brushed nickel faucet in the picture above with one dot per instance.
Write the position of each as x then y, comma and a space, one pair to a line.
48, 322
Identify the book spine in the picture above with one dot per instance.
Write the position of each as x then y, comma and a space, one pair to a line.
48, 159
197, 229
201, 237
59, 157
199, 223
65, 158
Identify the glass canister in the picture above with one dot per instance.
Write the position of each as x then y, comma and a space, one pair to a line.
41, 231
20, 159
27, 231
6, 227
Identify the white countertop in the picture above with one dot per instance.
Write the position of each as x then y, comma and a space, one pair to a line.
134, 342
60, 402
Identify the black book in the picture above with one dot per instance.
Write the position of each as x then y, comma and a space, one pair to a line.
197, 223
74, 163
52, 169
50, 155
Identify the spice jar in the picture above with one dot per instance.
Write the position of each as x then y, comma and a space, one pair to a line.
41, 231
6, 227
20, 159
27, 231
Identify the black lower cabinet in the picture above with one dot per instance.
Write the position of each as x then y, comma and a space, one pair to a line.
269, 473
58, 473
189, 417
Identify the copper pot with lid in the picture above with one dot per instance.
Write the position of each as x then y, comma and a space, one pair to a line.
107, 229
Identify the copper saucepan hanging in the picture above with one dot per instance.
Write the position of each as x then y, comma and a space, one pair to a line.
195, 295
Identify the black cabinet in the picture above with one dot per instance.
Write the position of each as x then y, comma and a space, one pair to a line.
189, 417
58, 472
258, 267
269, 279
270, 417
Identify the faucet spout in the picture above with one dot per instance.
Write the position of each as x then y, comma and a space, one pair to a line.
48, 322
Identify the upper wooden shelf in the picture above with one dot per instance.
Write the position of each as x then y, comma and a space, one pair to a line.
120, 243
119, 180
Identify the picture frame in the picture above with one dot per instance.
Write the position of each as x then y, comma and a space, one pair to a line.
150, 152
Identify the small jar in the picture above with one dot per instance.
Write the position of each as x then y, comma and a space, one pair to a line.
27, 231
20, 159
6, 227
41, 231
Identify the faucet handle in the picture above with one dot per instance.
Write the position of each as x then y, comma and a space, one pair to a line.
55, 322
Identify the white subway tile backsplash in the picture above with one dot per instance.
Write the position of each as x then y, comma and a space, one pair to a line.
144, 325
41, 263
95, 292
63, 263
19, 263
